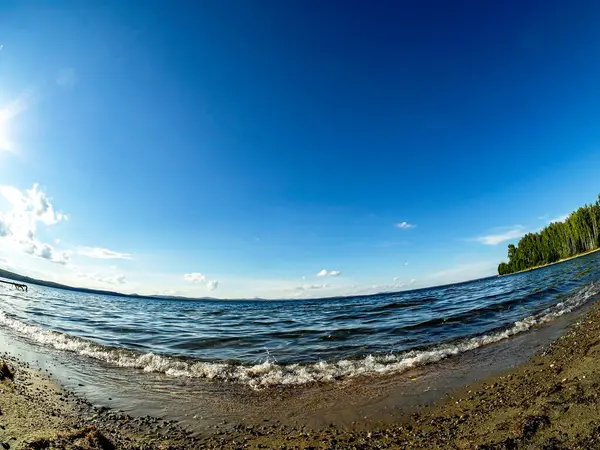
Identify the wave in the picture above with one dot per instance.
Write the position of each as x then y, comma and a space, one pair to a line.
272, 373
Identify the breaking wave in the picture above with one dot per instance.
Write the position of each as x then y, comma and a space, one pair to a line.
272, 373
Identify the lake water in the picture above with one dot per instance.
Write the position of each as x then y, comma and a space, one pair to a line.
270, 343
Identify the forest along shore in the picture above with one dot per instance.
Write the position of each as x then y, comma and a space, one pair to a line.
553, 263
552, 401
577, 234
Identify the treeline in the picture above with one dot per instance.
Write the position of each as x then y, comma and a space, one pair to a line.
580, 233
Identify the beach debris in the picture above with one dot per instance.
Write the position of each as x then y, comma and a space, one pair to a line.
38, 445
6, 371
17, 286
533, 423
87, 438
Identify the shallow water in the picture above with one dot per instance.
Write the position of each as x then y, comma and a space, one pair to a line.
271, 343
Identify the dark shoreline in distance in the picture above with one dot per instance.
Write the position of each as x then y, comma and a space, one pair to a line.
25, 279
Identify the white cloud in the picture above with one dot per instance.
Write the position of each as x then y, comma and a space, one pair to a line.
501, 235
105, 279
212, 285
194, 277
67, 78
6, 264
119, 279
4, 227
406, 263
19, 225
312, 287
30, 207
169, 292
102, 253
199, 278
46, 251
559, 219
327, 273
396, 279
405, 225
304, 289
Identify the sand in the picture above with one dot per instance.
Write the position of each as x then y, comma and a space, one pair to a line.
552, 402
35, 413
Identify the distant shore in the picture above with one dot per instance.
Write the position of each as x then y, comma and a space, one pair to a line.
551, 401
554, 263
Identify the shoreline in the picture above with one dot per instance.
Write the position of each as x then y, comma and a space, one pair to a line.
37, 413
550, 400
552, 264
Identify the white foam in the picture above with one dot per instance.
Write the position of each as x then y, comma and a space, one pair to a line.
272, 373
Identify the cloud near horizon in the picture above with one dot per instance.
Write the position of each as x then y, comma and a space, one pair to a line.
311, 287
306, 288
199, 278
102, 253
110, 279
194, 277
327, 273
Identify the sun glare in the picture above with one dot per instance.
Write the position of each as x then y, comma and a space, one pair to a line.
4, 141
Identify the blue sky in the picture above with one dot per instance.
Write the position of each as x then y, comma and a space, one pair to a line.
238, 149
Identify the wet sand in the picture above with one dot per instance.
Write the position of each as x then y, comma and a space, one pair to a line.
550, 401
35, 413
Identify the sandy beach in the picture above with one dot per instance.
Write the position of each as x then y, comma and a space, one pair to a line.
290, 225
551, 401
35, 413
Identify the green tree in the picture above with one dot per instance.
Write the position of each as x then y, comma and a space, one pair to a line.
579, 233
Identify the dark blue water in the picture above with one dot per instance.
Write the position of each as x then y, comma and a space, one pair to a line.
299, 341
